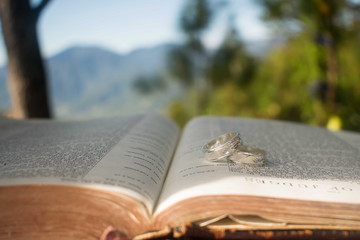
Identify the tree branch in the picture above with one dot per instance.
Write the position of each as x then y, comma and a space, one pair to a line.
38, 9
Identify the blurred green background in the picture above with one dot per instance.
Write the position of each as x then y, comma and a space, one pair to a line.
311, 77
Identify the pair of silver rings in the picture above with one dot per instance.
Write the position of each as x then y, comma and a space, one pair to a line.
229, 147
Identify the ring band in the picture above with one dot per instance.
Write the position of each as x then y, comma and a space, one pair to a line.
248, 156
222, 146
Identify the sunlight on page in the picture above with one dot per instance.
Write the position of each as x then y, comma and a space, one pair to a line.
127, 155
294, 169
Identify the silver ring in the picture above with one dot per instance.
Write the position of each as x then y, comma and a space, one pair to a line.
248, 156
222, 146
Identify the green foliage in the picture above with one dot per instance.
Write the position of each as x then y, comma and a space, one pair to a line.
312, 78
320, 15
188, 62
179, 65
283, 80
230, 62
149, 84
195, 17
348, 91
179, 112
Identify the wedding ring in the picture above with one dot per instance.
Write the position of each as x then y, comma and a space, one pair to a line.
222, 146
248, 156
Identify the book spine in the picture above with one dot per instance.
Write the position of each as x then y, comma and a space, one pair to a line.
192, 231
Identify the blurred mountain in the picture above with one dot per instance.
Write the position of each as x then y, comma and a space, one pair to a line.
91, 81
75, 70
85, 79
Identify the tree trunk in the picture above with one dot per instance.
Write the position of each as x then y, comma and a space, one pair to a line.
26, 73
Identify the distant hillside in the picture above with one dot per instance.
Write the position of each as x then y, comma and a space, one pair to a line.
91, 79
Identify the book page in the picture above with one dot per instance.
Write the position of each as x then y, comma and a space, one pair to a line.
303, 162
129, 155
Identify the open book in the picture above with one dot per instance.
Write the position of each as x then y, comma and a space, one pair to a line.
140, 174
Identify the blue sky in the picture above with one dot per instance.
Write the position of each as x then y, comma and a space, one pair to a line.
124, 25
